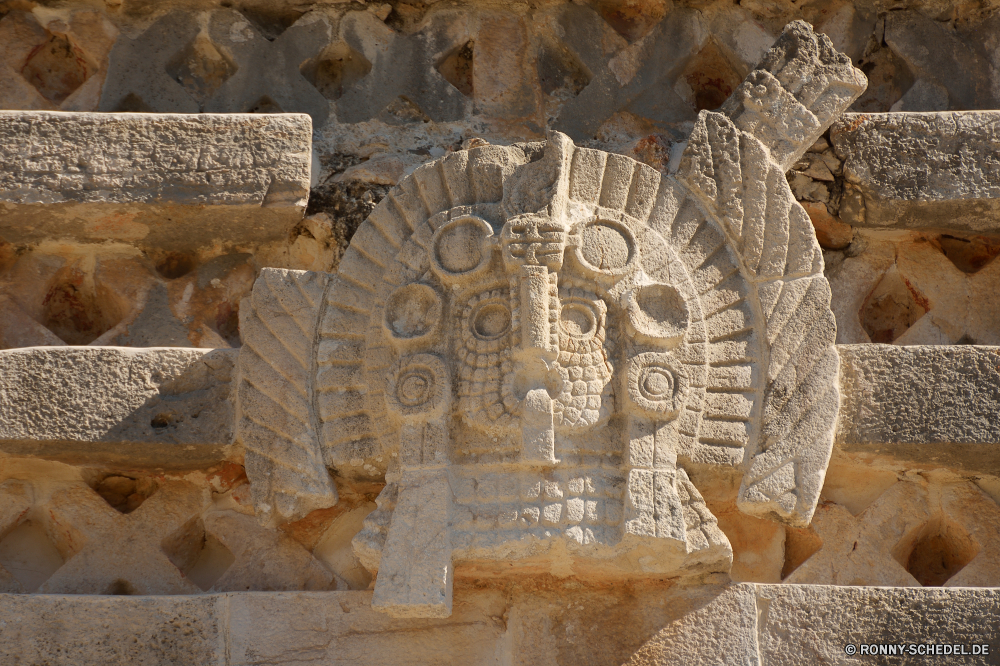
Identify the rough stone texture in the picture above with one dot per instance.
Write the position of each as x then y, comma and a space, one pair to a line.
922, 170
810, 624
160, 182
925, 405
745, 624
139, 408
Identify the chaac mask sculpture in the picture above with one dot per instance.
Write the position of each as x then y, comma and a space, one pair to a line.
529, 342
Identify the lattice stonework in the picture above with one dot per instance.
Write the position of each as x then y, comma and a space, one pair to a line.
530, 342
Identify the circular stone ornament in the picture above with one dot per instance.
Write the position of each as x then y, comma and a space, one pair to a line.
657, 384
658, 312
412, 313
606, 248
417, 387
460, 248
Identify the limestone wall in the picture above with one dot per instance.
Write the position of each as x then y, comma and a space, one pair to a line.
261, 135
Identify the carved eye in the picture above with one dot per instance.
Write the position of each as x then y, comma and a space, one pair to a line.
412, 313
658, 312
490, 320
579, 319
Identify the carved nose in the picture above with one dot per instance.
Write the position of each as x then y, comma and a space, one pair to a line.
535, 356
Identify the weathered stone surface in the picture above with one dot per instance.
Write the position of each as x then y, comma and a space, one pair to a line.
160, 182
108, 552
800, 87
541, 251
741, 624
925, 405
923, 170
923, 530
810, 624
114, 405
68, 630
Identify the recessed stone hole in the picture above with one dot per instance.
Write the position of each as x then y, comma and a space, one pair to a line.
708, 79
265, 105
163, 420
173, 265
936, 551
200, 556
969, 255
77, 309
201, 68
124, 493
121, 587
132, 103
335, 70
965, 340
271, 21
456, 68
560, 72
800, 545
632, 19
29, 555
891, 308
227, 323
57, 68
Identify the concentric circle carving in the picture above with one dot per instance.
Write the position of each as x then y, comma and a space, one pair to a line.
417, 386
657, 384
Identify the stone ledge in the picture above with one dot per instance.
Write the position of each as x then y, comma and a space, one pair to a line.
933, 405
165, 181
929, 406
134, 407
921, 170
735, 624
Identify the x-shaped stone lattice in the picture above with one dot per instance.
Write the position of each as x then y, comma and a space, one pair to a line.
15, 502
116, 552
946, 292
263, 69
404, 66
859, 550
89, 33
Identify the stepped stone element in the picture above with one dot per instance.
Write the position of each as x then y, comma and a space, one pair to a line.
526, 340
165, 408
157, 181
921, 170
781, 625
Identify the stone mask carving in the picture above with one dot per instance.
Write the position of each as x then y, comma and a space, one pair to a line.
525, 340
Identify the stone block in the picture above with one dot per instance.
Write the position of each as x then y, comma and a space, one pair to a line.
927, 406
74, 630
156, 181
160, 408
922, 170
802, 624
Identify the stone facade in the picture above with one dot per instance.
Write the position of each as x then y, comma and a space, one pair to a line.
468, 333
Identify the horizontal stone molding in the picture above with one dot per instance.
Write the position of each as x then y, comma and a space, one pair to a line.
921, 170
164, 181
735, 624
929, 406
121, 406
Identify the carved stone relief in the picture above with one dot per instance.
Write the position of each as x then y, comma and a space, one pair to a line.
529, 342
